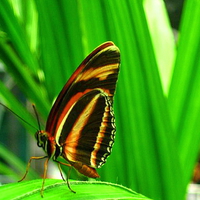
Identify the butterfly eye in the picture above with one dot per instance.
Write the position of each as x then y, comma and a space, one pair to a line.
41, 138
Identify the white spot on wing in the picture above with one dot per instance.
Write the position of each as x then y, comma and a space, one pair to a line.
108, 112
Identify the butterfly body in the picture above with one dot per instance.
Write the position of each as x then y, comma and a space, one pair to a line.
54, 150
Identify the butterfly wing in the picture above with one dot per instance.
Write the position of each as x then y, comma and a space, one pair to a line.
81, 119
88, 137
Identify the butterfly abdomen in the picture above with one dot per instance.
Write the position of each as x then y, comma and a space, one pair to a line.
85, 170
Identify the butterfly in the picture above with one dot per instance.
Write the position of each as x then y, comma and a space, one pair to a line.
81, 125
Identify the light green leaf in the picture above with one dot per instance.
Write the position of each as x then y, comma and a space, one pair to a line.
55, 189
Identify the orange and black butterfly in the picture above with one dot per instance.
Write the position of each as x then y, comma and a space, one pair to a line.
81, 125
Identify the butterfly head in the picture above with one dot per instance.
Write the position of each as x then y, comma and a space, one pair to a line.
42, 138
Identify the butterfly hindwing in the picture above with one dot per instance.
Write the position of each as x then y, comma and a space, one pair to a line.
91, 133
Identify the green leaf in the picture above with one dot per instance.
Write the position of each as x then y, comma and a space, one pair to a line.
58, 189
184, 94
162, 39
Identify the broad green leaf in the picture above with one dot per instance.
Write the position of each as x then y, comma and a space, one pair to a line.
162, 38
58, 189
184, 94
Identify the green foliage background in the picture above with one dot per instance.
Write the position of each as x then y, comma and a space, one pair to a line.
157, 102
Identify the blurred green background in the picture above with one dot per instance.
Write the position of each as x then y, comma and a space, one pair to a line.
157, 102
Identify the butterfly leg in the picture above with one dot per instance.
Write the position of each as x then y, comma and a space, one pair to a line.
29, 164
44, 175
68, 174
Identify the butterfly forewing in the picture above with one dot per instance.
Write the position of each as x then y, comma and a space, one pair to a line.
99, 70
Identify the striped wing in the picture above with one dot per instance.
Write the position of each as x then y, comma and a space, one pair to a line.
85, 97
88, 137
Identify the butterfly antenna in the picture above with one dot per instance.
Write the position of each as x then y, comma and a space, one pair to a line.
18, 116
37, 116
